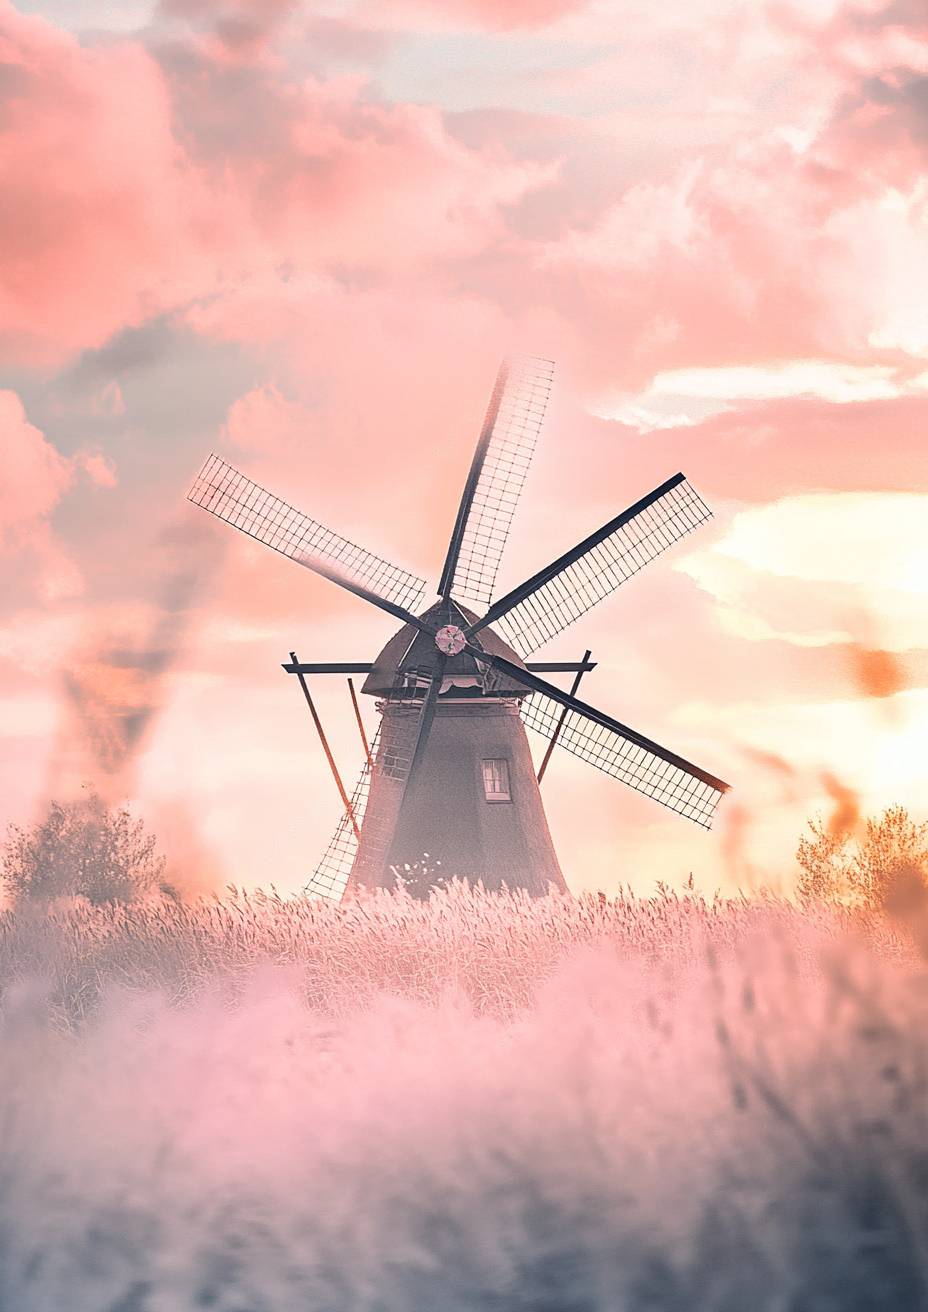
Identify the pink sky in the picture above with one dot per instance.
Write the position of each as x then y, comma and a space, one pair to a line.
304, 235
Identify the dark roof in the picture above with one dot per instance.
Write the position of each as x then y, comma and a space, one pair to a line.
411, 649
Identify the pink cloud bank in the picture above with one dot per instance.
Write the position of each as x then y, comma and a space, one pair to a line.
36, 477
113, 214
99, 226
35, 474
242, 26
499, 15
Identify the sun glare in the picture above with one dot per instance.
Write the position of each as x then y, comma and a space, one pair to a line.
874, 540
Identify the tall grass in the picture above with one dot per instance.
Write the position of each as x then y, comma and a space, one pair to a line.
478, 1102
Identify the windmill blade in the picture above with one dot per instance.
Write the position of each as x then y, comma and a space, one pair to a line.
501, 461
404, 750
330, 878
230, 496
426, 718
613, 747
397, 751
654, 773
547, 603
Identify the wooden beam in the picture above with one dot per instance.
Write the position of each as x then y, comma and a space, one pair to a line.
584, 665
346, 800
357, 716
364, 667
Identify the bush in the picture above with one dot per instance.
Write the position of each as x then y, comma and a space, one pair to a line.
82, 849
863, 870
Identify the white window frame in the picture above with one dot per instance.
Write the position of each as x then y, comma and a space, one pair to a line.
497, 785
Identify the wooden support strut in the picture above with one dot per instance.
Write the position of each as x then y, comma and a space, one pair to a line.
346, 800
357, 716
563, 716
364, 667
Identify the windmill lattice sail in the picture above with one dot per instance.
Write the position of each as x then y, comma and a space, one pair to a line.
501, 463
392, 751
674, 785
229, 495
548, 603
330, 877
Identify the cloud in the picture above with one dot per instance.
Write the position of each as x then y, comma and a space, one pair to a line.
846, 736
804, 569
880, 127
100, 470
264, 419
103, 222
108, 400
811, 537
322, 178
36, 479
242, 27
35, 476
877, 129
686, 396
495, 15
709, 265
762, 451
908, 15
513, 13
134, 187
801, 238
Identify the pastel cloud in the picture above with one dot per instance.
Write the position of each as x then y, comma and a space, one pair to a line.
709, 257
762, 450
434, 197
513, 13
887, 533
100, 211
246, 24
111, 217
36, 478
806, 569
35, 475
496, 15
685, 396
242, 26
713, 264
263, 418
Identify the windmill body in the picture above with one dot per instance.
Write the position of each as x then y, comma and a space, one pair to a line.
473, 809
448, 787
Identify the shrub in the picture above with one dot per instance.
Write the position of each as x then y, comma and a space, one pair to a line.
82, 848
862, 869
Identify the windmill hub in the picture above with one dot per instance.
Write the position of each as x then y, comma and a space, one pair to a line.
450, 640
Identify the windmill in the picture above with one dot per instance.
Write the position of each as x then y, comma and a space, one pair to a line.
448, 786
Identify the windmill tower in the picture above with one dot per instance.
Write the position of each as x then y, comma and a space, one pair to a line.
448, 787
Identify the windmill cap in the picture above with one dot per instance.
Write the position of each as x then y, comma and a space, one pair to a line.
412, 651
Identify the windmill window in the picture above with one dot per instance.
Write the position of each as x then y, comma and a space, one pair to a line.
496, 781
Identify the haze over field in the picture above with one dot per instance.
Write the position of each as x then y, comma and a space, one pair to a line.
304, 234
473, 1102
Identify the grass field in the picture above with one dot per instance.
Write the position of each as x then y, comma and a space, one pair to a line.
664, 1105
